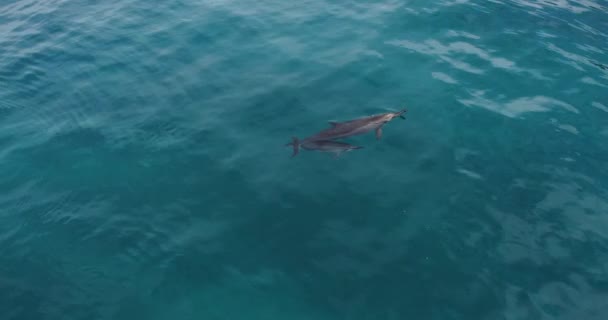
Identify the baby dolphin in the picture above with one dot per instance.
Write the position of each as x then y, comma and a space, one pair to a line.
357, 126
335, 147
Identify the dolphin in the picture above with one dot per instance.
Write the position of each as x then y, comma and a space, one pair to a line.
357, 126
335, 147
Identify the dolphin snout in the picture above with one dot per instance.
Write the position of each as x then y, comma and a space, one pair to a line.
400, 114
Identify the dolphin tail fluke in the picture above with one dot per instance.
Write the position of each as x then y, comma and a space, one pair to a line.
296, 146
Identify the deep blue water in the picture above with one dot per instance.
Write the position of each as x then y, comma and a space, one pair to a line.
143, 172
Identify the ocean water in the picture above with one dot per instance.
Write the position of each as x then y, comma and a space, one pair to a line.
144, 172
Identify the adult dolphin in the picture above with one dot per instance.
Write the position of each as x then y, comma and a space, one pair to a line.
350, 128
357, 126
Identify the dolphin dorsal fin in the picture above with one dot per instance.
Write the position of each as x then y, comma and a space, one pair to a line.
333, 123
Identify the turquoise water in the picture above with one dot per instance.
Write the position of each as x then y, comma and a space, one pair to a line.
143, 172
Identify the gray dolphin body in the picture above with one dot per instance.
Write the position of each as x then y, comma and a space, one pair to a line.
335, 147
357, 126
345, 129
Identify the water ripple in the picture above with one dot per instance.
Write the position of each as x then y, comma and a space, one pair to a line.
517, 107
